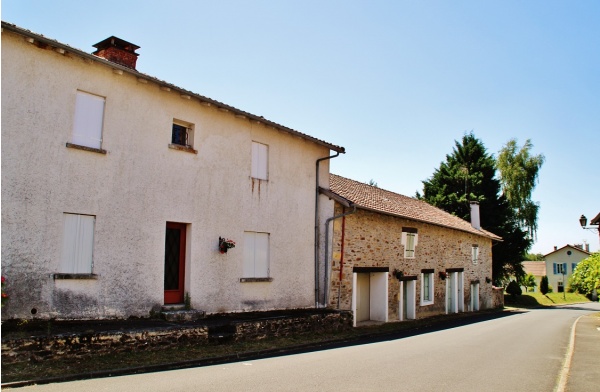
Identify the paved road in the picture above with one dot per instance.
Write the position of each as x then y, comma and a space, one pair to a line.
520, 352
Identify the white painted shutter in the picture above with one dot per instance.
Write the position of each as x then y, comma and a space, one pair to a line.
78, 244
261, 266
259, 160
89, 115
248, 255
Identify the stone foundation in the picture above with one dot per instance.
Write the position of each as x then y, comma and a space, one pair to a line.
39, 348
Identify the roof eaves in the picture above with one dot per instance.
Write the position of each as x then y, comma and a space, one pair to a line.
219, 105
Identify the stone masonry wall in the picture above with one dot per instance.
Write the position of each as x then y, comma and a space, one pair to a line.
67, 346
374, 240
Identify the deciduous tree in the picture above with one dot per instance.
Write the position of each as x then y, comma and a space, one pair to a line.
586, 277
519, 171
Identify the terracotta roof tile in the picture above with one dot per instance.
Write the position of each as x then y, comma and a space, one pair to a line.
535, 268
380, 200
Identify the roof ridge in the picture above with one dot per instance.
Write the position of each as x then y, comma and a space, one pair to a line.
381, 200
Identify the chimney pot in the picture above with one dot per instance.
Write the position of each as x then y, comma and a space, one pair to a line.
475, 221
555, 247
118, 51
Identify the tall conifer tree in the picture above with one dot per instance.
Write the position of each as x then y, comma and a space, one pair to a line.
469, 174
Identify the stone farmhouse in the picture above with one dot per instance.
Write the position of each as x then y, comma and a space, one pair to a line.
123, 193
398, 258
560, 264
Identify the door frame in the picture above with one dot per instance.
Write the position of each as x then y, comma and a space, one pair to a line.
177, 296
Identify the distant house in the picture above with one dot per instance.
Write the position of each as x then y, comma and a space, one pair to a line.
398, 258
561, 263
120, 191
537, 269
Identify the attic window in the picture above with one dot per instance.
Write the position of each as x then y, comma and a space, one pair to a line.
182, 136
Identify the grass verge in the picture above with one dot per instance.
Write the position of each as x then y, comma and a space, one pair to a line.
533, 300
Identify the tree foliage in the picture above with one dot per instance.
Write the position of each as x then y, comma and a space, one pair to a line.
534, 257
514, 289
469, 174
544, 287
528, 281
586, 276
519, 171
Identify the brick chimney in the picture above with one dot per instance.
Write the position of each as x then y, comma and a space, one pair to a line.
475, 222
118, 51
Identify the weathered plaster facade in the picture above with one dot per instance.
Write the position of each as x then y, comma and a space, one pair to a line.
138, 185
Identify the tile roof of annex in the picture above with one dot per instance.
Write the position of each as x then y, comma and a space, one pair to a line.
372, 198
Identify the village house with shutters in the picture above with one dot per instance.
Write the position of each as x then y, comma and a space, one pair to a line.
123, 194
397, 258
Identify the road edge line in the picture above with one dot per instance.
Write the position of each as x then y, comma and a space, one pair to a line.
564, 374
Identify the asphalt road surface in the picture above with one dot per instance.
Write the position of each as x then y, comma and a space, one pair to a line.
520, 352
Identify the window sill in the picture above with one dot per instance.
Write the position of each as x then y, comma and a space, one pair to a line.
427, 303
179, 147
254, 280
61, 276
84, 148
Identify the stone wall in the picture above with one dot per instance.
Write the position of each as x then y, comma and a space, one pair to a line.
374, 240
40, 348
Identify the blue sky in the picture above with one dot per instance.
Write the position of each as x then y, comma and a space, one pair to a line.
394, 82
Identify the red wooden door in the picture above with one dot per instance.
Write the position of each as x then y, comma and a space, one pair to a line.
174, 262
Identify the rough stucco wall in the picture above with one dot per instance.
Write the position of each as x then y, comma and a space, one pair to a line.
137, 187
374, 240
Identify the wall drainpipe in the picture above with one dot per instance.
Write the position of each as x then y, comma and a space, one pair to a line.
317, 242
326, 283
342, 259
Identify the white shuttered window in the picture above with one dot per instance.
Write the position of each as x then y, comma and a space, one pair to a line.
78, 244
260, 161
87, 124
256, 255
409, 239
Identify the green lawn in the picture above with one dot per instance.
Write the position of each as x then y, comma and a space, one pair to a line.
530, 300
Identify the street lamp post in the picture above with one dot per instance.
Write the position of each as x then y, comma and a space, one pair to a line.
594, 224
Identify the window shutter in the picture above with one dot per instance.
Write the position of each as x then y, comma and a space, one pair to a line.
410, 245
248, 255
259, 161
78, 244
261, 267
564, 268
87, 124
554, 268
256, 255
573, 266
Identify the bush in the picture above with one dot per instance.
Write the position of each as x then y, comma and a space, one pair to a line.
544, 287
513, 289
